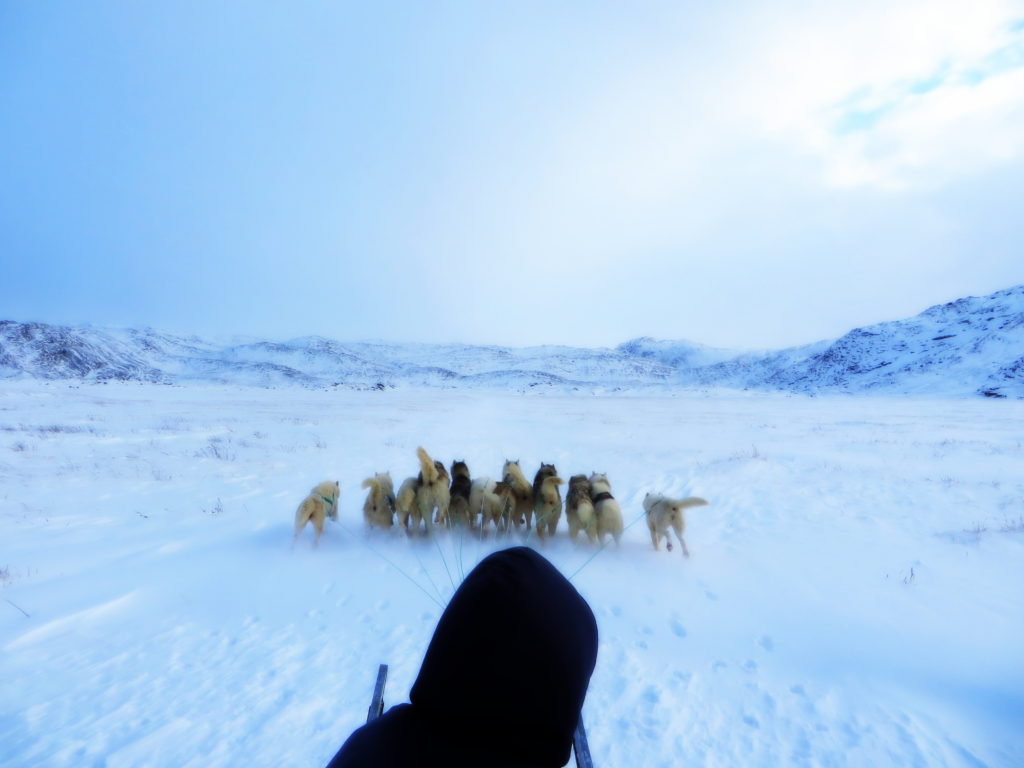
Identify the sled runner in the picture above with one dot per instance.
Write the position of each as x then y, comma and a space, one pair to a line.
580, 747
377, 702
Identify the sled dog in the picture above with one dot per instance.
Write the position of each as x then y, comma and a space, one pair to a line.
407, 512
321, 503
547, 499
579, 509
547, 505
432, 490
492, 501
459, 511
606, 508
522, 493
379, 507
664, 513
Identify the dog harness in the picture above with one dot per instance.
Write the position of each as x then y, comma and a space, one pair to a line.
329, 501
603, 496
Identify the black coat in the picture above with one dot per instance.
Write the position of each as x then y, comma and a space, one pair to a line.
503, 679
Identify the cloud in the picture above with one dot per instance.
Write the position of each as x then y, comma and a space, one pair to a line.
891, 96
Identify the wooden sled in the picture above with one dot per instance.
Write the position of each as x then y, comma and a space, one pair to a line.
580, 747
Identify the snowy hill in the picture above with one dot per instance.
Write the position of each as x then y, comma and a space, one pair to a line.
972, 346
678, 354
55, 352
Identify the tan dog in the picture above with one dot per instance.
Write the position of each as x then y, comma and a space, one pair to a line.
606, 508
321, 503
432, 490
459, 510
664, 513
548, 505
379, 507
493, 501
522, 493
579, 509
405, 505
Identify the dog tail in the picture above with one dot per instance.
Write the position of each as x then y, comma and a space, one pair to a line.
427, 467
693, 501
376, 491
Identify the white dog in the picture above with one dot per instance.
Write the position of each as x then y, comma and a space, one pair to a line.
493, 501
606, 508
321, 503
664, 513
379, 507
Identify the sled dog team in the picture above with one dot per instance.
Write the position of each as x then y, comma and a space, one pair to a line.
436, 496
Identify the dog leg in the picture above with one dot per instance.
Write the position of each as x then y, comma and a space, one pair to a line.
678, 526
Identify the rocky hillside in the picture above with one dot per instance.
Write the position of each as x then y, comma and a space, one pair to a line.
973, 346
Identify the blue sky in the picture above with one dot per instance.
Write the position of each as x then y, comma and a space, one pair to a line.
757, 175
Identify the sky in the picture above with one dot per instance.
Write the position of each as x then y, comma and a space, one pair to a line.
746, 175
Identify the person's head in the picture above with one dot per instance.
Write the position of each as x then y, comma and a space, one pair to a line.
511, 658
502, 681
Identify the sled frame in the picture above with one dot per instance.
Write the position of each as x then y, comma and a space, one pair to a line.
377, 702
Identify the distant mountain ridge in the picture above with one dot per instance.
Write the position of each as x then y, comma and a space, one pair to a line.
972, 346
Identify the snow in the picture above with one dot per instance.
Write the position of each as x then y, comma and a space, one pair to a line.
853, 596
969, 347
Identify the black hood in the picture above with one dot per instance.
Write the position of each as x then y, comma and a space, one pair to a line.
504, 676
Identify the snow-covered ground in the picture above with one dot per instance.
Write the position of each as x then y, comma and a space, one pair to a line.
855, 594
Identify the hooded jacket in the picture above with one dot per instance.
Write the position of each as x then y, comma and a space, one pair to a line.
503, 679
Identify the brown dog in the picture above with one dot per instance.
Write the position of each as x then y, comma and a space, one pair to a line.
459, 512
579, 509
